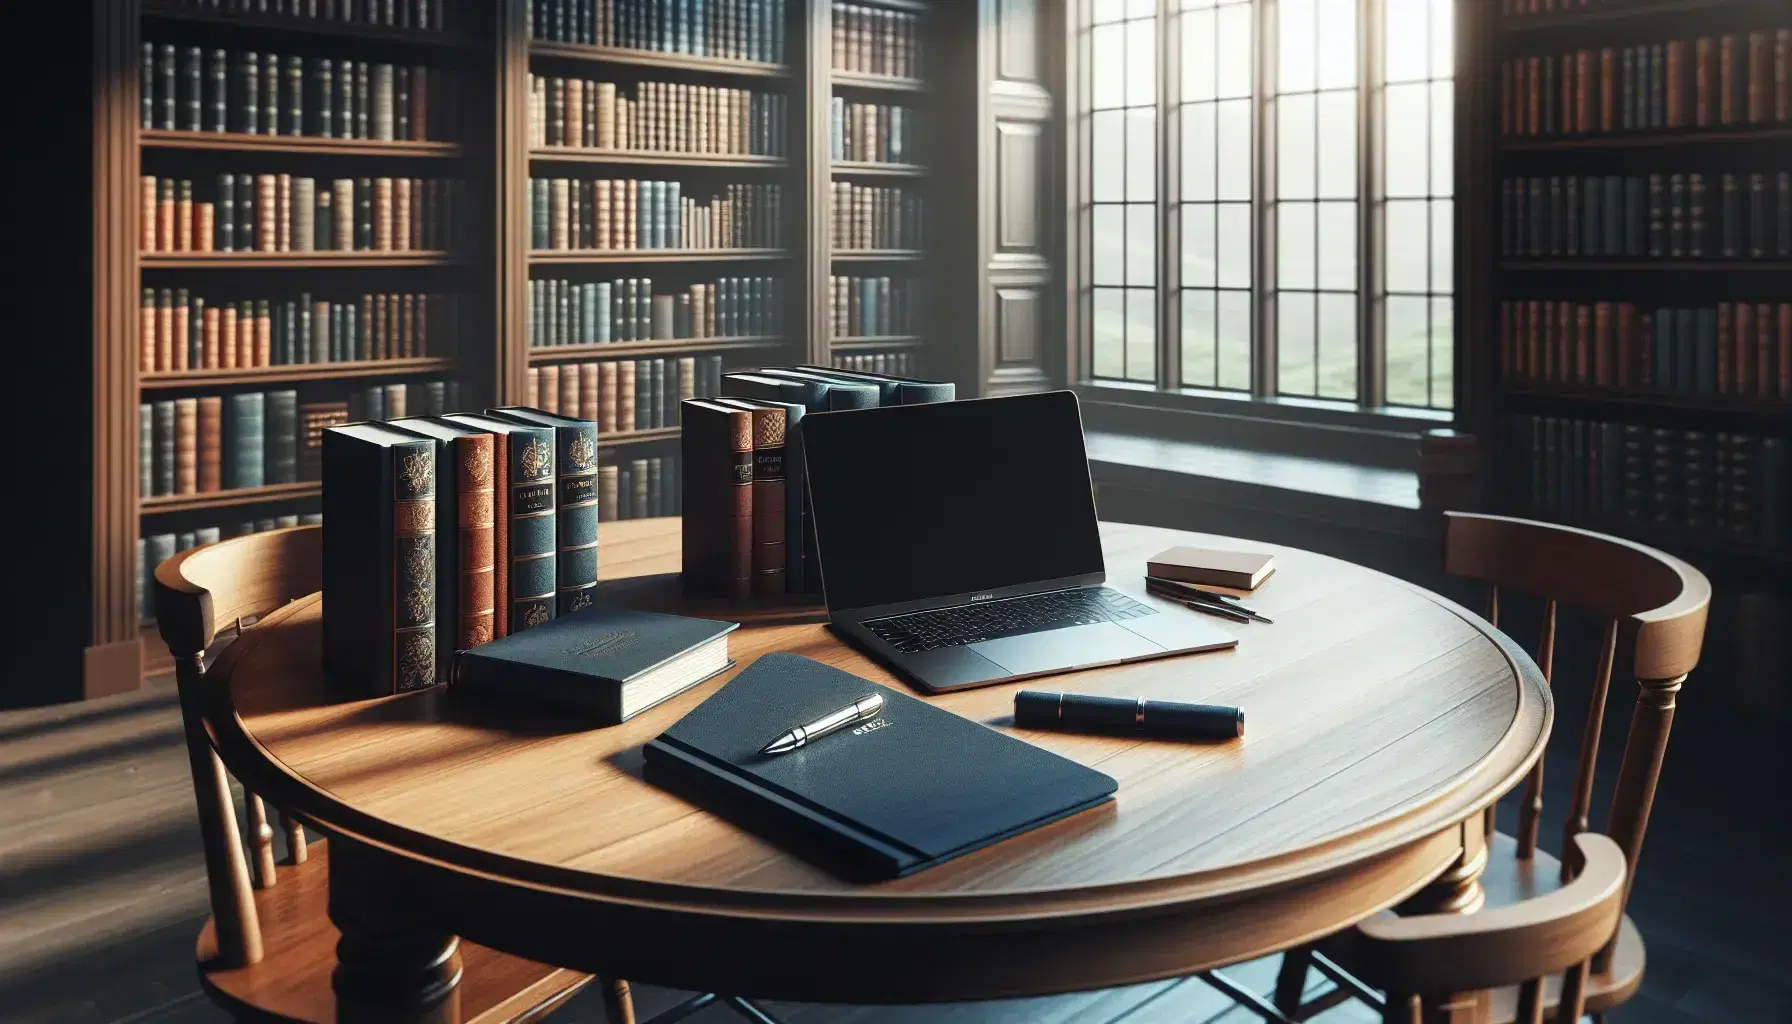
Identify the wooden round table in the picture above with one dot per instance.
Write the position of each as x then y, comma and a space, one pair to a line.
1382, 721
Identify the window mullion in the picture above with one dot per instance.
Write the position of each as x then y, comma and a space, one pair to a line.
1371, 304
1264, 382
1169, 195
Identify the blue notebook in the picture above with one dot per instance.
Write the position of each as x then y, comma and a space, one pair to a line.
915, 787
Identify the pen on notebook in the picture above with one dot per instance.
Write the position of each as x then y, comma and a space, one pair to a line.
864, 708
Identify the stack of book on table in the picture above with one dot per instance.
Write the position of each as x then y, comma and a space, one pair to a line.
745, 530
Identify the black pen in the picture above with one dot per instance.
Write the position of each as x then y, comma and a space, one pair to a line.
1034, 709
1190, 596
1205, 608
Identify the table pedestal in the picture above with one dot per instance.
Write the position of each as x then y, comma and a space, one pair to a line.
390, 965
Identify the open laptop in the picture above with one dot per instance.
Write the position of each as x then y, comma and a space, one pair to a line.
958, 544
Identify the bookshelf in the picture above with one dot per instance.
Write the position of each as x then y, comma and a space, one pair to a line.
1639, 367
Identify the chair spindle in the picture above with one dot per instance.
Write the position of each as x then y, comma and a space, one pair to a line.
1573, 1002
619, 1005
1530, 813
236, 924
264, 842
1530, 1002
1589, 750
1638, 775
295, 837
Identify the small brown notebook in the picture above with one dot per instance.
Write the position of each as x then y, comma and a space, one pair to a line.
1241, 570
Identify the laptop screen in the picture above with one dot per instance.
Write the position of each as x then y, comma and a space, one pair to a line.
923, 501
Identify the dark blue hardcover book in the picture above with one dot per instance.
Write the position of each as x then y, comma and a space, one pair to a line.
530, 530
607, 663
1636, 220
1686, 349
282, 437
1612, 216
656, 390
893, 390
379, 558
643, 394
837, 392
922, 787
164, 450
245, 440
1662, 357
575, 500
1592, 232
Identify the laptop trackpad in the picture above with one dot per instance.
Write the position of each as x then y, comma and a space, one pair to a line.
1100, 643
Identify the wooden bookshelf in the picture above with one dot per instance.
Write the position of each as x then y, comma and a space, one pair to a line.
297, 372
628, 437
547, 256
879, 255
243, 142
1617, 14
656, 59
637, 349
231, 498
357, 259
649, 158
1736, 408
884, 343
1650, 140
861, 169
1641, 266
265, 24
882, 83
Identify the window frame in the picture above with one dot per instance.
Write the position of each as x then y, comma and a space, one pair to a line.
1263, 400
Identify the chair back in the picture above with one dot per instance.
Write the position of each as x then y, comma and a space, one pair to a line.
199, 594
1653, 606
1440, 967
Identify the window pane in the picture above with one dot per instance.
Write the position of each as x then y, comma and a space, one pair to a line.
1235, 149
1108, 158
1337, 246
1337, 145
1408, 152
1294, 147
1443, 138
1337, 346
1141, 155
1109, 332
1139, 8
1197, 56
1107, 246
1235, 245
1442, 246
1443, 353
1141, 63
1235, 340
1196, 5
1198, 341
1235, 49
1198, 246
1443, 39
1298, 26
1197, 152
1337, 43
1408, 45
1141, 334
1107, 64
1294, 342
1408, 248
1106, 10
1141, 244
1408, 345
1294, 245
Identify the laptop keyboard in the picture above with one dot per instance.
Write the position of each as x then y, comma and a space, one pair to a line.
967, 624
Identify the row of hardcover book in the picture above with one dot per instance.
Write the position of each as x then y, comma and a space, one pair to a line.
1732, 348
180, 331
1705, 482
291, 213
876, 40
257, 438
902, 364
155, 548
872, 132
864, 307
626, 213
725, 29
875, 217
625, 395
412, 15
639, 489
662, 117
563, 312
1658, 216
191, 89
1683, 83
745, 529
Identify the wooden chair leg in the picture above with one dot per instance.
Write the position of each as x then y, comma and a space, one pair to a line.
262, 834
1291, 980
295, 838
619, 1006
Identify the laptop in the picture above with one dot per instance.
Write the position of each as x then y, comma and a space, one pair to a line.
958, 544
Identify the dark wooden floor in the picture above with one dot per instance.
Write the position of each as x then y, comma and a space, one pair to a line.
102, 889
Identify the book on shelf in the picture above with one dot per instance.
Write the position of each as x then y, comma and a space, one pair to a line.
155, 548
527, 558
659, 117
893, 390
880, 133
257, 213
658, 494
872, 307
899, 363
392, 401
875, 217
752, 30
567, 312
314, 419
875, 40
576, 502
716, 450
770, 498
379, 570
1679, 216
629, 213
466, 488
421, 16
1731, 349
624, 396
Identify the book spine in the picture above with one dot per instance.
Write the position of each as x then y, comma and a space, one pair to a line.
533, 536
414, 563
770, 523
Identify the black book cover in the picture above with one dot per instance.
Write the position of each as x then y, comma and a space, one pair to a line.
249, 93
245, 213
165, 94
894, 390
146, 87
282, 437
323, 71
914, 787
219, 84
575, 501
840, 392
379, 558
531, 526
192, 70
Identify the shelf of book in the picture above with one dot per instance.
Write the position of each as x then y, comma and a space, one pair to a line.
227, 499
887, 83
636, 437
1620, 402
648, 157
875, 344
297, 372
1611, 13
309, 26
1652, 140
658, 347
551, 256
1653, 266
657, 59
879, 255
914, 6
858, 168
294, 260
246, 143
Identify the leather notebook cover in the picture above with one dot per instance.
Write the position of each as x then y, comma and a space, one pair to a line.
912, 788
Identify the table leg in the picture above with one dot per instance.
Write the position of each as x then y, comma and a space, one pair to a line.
619, 1006
391, 966
1456, 891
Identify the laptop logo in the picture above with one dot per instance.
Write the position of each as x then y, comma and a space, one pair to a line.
982, 597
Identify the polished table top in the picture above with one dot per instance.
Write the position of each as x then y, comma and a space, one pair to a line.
1380, 718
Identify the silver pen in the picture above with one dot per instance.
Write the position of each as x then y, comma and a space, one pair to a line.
858, 711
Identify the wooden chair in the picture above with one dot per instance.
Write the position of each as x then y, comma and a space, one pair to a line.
1653, 606
1441, 968
269, 948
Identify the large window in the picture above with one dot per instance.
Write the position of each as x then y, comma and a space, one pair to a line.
1266, 197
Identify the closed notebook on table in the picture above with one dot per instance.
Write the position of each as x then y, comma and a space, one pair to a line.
912, 788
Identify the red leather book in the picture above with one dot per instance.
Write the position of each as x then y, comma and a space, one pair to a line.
1704, 67
1594, 366
186, 446
625, 396
1533, 339
548, 400
1645, 349
210, 443
1759, 83
1583, 91
1564, 340
1608, 88
717, 449
1728, 102
769, 497
1782, 75
569, 391
1548, 341
146, 332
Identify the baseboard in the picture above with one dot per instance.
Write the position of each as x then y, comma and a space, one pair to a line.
111, 668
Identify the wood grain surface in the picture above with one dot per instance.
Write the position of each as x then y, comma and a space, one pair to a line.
1380, 717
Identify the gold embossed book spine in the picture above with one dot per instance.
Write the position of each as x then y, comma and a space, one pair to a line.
575, 499
478, 556
414, 566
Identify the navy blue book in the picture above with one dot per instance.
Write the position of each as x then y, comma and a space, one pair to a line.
575, 500
827, 392
914, 787
895, 390
281, 458
164, 447
529, 525
244, 441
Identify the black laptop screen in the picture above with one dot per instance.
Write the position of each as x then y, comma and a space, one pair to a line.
921, 501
